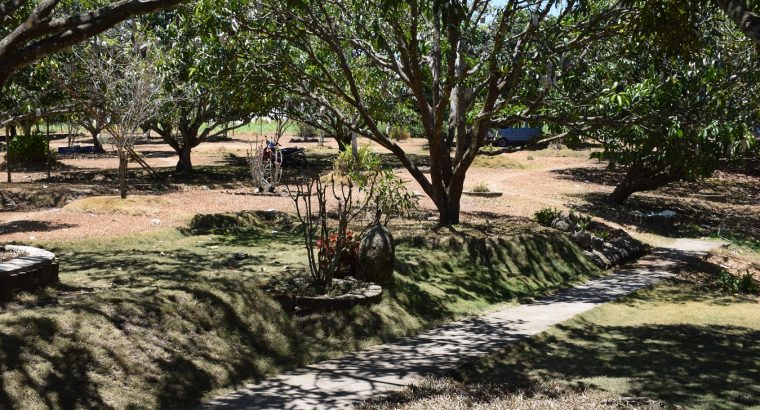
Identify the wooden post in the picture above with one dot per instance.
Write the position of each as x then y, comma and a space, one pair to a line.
47, 126
8, 153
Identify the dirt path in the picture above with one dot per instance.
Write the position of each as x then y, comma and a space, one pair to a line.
343, 382
527, 180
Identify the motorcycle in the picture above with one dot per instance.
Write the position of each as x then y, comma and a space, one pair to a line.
287, 157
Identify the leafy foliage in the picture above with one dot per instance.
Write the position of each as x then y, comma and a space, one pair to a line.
546, 216
745, 283
29, 149
664, 114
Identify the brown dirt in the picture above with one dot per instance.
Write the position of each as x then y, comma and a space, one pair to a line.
529, 181
736, 260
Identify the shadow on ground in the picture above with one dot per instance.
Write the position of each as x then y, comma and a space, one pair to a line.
159, 321
679, 364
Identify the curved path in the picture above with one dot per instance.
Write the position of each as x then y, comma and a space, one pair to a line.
343, 382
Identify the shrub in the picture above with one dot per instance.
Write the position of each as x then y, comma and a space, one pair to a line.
360, 169
547, 215
399, 133
580, 220
306, 131
481, 187
730, 283
29, 149
346, 264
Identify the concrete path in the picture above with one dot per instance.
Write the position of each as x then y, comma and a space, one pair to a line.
343, 382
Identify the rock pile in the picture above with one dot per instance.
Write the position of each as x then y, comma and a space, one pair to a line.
612, 248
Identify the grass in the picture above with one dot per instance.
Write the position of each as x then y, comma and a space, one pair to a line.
481, 187
446, 393
167, 318
676, 343
498, 162
266, 127
132, 205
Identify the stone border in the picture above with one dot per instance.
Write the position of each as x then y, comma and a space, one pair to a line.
369, 295
36, 269
483, 194
274, 194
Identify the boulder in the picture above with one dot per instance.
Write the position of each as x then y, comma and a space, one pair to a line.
583, 239
377, 255
563, 224
597, 243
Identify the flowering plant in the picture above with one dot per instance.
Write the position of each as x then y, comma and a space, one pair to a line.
327, 247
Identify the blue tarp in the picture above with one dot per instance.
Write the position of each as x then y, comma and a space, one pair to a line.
76, 149
518, 136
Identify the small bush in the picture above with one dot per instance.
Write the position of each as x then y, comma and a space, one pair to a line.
481, 187
306, 131
399, 133
580, 220
730, 283
547, 215
348, 259
530, 158
29, 149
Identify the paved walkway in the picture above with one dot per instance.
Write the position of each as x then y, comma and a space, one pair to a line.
343, 382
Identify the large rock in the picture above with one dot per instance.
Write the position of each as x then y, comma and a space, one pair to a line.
584, 239
377, 255
563, 224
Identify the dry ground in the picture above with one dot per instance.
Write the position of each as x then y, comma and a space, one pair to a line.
78, 201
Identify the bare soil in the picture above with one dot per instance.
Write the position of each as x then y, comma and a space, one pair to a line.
37, 208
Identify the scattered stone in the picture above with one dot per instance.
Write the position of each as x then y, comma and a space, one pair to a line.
240, 256
584, 239
597, 243
563, 224
156, 222
376, 255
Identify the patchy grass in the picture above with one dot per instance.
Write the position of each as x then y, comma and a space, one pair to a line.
481, 187
446, 393
133, 205
677, 343
167, 318
562, 152
501, 161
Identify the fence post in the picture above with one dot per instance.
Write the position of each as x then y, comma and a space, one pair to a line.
47, 125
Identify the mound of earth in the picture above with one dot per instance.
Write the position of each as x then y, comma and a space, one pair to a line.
224, 222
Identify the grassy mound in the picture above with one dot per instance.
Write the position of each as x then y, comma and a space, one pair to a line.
133, 205
242, 221
165, 319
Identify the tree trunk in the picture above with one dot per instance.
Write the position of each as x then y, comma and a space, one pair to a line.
185, 163
98, 147
27, 129
641, 179
747, 21
621, 193
123, 164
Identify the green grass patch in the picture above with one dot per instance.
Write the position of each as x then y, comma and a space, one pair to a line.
502, 161
674, 343
164, 319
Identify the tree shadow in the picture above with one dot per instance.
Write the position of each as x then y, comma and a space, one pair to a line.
32, 226
679, 364
693, 218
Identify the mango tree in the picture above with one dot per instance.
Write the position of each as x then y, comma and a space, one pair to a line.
211, 89
463, 66
667, 113
33, 30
